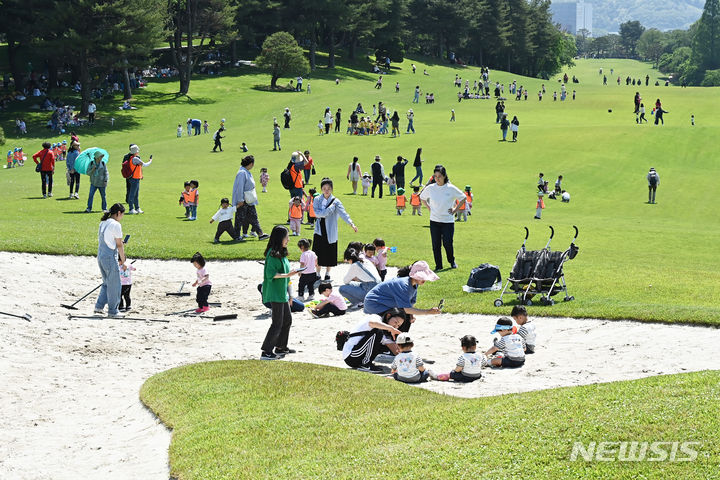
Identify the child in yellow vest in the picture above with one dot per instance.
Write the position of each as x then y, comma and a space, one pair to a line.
400, 200
296, 214
415, 201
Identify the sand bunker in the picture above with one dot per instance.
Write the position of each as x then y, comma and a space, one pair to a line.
70, 387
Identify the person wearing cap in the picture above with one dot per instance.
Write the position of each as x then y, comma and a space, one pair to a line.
401, 292
407, 366
653, 181
137, 174
365, 341
510, 346
439, 198
411, 119
378, 176
298, 161
400, 201
73, 175
540, 204
328, 209
99, 176
468, 367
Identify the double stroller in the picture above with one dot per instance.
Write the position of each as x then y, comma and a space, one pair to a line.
539, 272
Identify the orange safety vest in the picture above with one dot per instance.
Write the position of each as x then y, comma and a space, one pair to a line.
462, 207
468, 198
310, 207
400, 201
18, 156
190, 197
415, 199
296, 211
136, 169
297, 177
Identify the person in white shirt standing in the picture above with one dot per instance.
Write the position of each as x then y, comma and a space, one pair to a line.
111, 253
439, 198
91, 113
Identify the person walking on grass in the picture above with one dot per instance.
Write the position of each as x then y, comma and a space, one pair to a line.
73, 174
354, 173
276, 137
111, 255
514, 127
378, 176
99, 176
137, 166
217, 136
417, 163
411, 119
653, 181
244, 197
504, 124
276, 277
45, 161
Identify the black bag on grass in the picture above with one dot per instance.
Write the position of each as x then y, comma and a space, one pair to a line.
484, 276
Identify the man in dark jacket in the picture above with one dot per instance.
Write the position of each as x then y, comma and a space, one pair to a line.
378, 176
398, 171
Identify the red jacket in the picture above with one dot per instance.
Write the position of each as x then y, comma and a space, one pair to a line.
47, 157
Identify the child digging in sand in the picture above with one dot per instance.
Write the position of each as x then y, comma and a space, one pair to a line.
527, 327
334, 302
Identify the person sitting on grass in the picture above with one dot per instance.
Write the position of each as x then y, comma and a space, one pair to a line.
527, 327
333, 303
510, 347
407, 366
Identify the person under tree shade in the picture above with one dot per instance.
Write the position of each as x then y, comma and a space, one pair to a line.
217, 137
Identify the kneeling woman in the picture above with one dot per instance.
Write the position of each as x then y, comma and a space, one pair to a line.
366, 340
359, 279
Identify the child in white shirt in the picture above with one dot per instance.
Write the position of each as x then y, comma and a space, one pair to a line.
407, 366
224, 216
179, 131
126, 285
202, 283
527, 327
308, 260
510, 346
366, 183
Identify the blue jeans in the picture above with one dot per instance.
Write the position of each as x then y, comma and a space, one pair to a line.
296, 192
410, 127
276, 144
356, 291
442, 236
93, 188
134, 193
418, 174
504, 132
193, 211
110, 290
307, 175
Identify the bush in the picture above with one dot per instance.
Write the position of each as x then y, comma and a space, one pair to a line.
711, 78
2, 136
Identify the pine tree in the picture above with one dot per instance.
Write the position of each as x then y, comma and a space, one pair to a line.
706, 46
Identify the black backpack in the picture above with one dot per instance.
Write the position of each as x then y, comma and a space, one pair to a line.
653, 178
286, 179
484, 276
342, 336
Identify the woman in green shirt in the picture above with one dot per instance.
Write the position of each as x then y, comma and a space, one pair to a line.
275, 292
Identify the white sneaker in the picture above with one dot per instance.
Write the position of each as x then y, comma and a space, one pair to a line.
116, 315
132, 212
310, 298
49, 194
99, 311
139, 211
252, 234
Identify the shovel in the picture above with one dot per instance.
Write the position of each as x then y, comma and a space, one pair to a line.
179, 293
73, 307
24, 317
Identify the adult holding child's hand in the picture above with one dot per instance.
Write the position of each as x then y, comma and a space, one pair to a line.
439, 198
275, 292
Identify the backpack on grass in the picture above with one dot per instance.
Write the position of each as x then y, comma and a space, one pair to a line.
484, 276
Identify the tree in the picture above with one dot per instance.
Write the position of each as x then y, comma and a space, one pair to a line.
282, 55
651, 45
630, 33
188, 18
706, 46
582, 41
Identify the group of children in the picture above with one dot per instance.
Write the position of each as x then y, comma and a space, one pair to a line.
189, 198
516, 337
542, 190
15, 158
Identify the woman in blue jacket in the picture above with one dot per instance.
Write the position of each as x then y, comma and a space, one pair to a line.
327, 211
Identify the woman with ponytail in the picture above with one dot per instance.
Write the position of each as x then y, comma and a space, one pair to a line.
111, 253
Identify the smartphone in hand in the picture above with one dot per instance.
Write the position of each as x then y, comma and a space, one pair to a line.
127, 237
301, 269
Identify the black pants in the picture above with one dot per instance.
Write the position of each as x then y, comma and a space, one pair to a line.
328, 309
651, 193
459, 377
366, 350
217, 145
91, 118
202, 295
400, 182
337, 125
46, 179
382, 274
327, 127
307, 280
442, 236
246, 216
125, 297
225, 226
74, 182
279, 331
377, 183
127, 190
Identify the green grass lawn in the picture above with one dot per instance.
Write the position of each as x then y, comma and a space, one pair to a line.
252, 419
649, 262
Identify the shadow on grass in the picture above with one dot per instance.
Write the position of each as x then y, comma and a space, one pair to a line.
162, 98
35, 198
83, 212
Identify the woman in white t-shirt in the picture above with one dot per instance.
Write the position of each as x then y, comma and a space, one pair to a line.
365, 340
439, 198
111, 253
360, 278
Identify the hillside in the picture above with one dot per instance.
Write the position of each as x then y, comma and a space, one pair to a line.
660, 14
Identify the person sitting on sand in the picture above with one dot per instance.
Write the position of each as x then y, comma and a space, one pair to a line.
527, 327
510, 347
469, 364
407, 366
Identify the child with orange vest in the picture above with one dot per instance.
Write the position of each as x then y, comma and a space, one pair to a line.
190, 197
63, 149
468, 199
296, 214
10, 158
309, 207
540, 204
19, 159
400, 200
464, 209
415, 201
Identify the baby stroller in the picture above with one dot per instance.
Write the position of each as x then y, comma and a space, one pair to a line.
539, 273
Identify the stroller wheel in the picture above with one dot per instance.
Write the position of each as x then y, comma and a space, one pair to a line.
549, 301
498, 303
568, 299
528, 302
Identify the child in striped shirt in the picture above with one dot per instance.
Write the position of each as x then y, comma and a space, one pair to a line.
407, 366
527, 327
469, 364
510, 347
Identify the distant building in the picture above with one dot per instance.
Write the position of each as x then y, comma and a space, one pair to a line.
573, 16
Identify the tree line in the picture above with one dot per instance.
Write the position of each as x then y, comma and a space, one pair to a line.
691, 57
92, 37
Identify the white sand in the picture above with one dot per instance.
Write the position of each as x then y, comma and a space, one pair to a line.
69, 399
